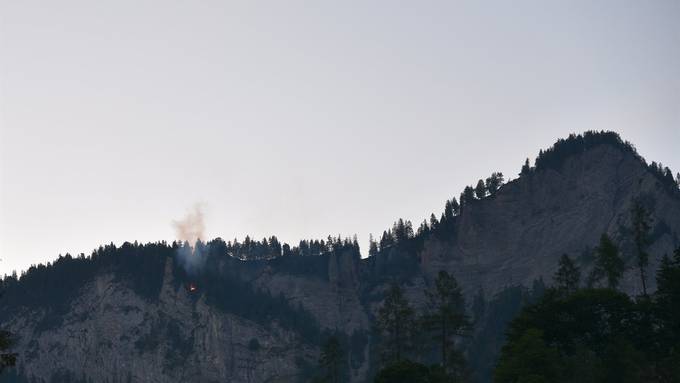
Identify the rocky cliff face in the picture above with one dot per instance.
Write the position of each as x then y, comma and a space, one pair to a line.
518, 235
111, 334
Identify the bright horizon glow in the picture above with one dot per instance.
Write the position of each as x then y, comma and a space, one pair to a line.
304, 120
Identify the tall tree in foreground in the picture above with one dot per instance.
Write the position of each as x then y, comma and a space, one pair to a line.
567, 276
667, 296
446, 319
598, 335
608, 263
528, 359
641, 227
396, 323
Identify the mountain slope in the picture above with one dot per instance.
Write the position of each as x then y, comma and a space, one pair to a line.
135, 313
518, 235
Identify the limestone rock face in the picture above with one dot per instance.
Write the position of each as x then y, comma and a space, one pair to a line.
334, 302
110, 334
518, 235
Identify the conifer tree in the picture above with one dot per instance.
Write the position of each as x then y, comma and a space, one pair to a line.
445, 317
641, 227
372, 246
567, 276
480, 189
396, 323
526, 168
494, 182
667, 297
455, 206
387, 240
448, 211
467, 195
434, 224
608, 263
423, 229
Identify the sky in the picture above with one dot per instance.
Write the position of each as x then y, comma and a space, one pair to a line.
302, 119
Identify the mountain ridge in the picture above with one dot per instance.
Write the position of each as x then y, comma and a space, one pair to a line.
578, 189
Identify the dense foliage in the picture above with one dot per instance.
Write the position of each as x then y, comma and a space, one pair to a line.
598, 335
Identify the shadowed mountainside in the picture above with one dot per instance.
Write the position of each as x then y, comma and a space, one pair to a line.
257, 311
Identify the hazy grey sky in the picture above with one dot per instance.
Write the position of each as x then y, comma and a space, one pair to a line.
303, 118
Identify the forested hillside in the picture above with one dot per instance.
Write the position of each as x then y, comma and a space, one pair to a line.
262, 310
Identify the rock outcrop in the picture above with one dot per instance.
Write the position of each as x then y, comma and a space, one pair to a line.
518, 235
111, 334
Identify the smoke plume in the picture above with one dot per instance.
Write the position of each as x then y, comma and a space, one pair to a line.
191, 228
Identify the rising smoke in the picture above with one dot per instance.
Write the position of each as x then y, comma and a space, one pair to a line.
190, 230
